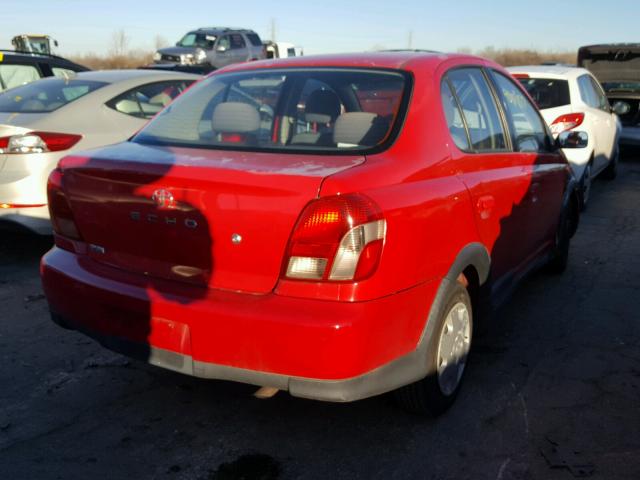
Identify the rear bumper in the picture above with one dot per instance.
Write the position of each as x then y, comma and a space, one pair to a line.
334, 351
23, 181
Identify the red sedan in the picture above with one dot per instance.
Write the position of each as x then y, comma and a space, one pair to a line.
329, 226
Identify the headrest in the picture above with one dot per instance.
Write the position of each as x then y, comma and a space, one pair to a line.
322, 106
359, 128
235, 117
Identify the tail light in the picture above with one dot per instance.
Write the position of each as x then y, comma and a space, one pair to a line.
566, 122
38, 142
59, 208
337, 238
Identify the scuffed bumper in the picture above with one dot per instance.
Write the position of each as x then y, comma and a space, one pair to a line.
334, 351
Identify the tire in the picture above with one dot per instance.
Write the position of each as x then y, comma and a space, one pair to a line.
435, 393
611, 171
585, 187
560, 255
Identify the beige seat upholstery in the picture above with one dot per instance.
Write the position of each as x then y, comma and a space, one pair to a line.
359, 129
237, 118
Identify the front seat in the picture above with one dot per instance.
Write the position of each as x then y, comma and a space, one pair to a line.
322, 109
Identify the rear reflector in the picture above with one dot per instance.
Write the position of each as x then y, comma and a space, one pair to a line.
21, 205
59, 208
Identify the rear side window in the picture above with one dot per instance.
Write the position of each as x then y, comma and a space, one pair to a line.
315, 110
547, 92
454, 118
147, 100
601, 99
254, 39
46, 96
526, 124
478, 108
15, 75
587, 92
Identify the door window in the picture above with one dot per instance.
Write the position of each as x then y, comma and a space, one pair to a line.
16, 75
529, 131
147, 100
479, 109
225, 42
237, 41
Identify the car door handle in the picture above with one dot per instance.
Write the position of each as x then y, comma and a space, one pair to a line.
485, 205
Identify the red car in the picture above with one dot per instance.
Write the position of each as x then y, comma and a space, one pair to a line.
326, 225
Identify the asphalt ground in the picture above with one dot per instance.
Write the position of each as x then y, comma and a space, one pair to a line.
552, 390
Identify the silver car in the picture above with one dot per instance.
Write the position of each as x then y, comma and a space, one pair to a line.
213, 47
47, 119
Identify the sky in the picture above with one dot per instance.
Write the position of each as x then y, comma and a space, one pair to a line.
330, 26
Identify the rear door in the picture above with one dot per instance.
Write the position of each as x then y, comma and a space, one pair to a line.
543, 163
239, 49
497, 179
599, 118
609, 131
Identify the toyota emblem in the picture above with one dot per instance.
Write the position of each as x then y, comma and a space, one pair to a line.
163, 198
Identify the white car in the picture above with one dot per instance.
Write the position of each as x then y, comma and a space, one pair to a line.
571, 98
45, 120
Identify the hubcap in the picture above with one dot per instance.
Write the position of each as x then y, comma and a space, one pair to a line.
453, 348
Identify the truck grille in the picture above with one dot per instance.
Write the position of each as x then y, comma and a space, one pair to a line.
171, 58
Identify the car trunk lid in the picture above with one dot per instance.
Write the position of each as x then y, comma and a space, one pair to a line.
206, 217
612, 63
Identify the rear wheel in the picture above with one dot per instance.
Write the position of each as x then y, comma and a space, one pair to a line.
611, 172
560, 255
447, 352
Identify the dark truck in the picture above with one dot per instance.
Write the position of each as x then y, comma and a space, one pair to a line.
617, 68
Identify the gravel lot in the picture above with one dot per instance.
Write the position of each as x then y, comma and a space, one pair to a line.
552, 390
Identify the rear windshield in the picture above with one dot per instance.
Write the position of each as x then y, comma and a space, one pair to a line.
294, 109
547, 92
45, 95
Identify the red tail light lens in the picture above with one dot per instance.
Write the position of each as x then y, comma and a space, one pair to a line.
337, 238
38, 142
59, 208
566, 122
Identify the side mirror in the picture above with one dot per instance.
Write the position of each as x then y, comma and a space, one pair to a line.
55, 43
621, 108
221, 49
573, 139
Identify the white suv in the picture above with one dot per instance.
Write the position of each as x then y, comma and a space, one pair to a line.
571, 98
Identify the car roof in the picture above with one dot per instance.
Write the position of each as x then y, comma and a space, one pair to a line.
396, 59
117, 76
8, 55
220, 30
549, 71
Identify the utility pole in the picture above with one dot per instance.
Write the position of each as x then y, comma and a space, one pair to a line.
273, 30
